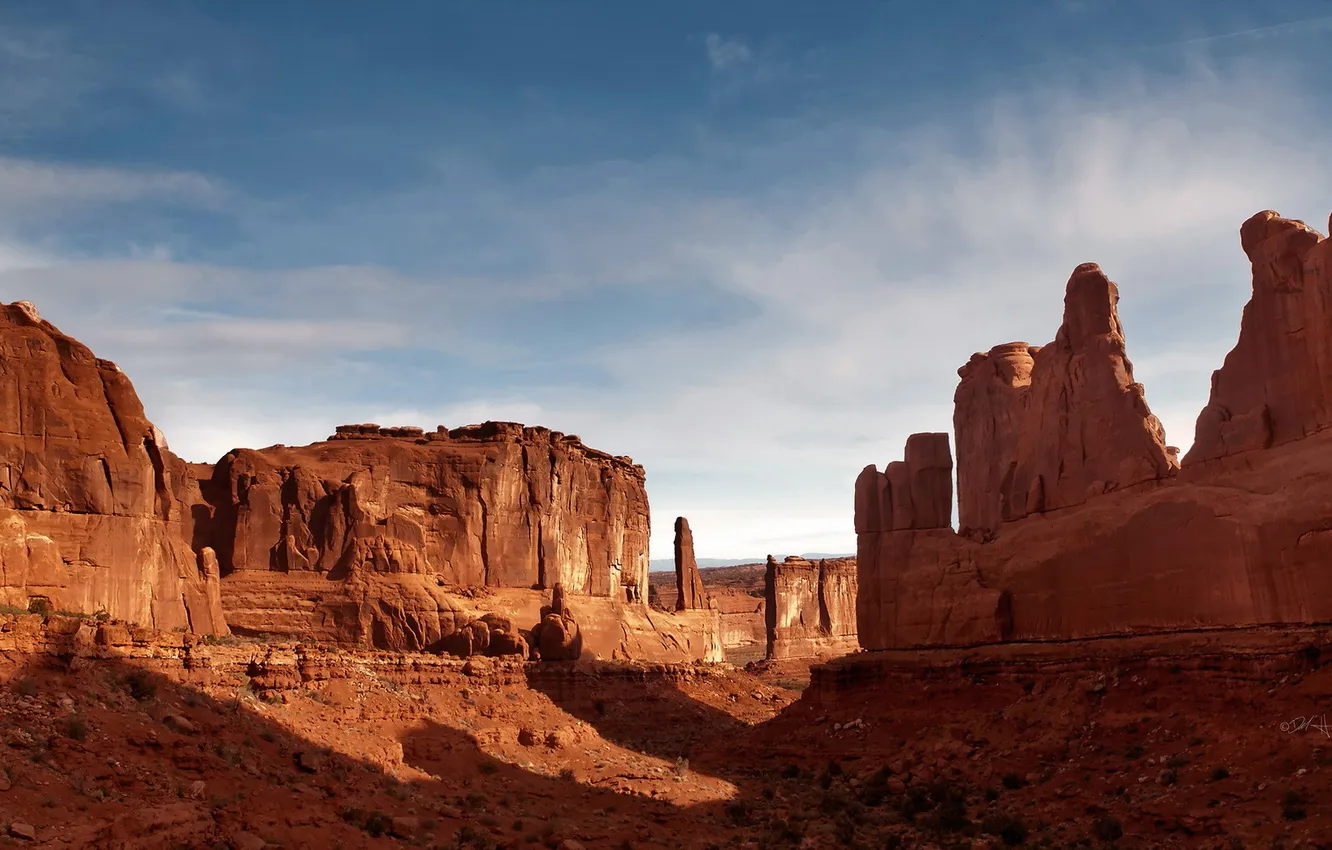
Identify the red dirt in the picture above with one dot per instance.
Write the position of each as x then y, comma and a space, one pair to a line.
654, 756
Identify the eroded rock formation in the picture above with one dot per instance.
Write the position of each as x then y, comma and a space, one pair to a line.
1076, 520
810, 607
392, 538
1276, 384
364, 538
557, 637
1039, 429
93, 505
690, 594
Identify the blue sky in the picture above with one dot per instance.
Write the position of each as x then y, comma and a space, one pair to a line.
747, 243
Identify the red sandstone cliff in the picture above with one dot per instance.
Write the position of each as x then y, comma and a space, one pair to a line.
1079, 522
810, 607
359, 537
1276, 384
93, 511
1040, 429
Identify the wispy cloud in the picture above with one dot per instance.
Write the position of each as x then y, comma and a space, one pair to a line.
27, 186
868, 288
726, 54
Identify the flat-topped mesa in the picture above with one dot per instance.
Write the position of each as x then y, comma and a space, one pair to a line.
810, 607
1078, 427
690, 593
93, 513
486, 432
915, 493
1275, 385
385, 518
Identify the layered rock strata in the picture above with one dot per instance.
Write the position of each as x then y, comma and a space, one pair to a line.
1076, 520
94, 514
366, 538
810, 607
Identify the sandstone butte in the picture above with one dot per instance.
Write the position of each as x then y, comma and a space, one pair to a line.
810, 607
389, 538
1076, 519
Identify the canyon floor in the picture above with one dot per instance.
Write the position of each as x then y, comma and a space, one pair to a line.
1138, 746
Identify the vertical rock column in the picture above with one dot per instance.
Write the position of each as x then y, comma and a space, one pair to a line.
690, 593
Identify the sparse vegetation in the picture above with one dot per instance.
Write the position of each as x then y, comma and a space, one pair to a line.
1107, 828
141, 685
1008, 828
76, 728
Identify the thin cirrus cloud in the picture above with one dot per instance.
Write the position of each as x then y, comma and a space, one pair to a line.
725, 54
753, 342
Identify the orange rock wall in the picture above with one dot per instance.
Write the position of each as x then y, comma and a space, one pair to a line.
93, 505
1076, 521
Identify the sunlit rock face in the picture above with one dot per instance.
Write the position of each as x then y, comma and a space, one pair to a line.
94, 514
1075, 517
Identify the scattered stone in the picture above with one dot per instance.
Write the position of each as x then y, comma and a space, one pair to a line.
405, 827
310, 761
26, 831
176, 723
247, 841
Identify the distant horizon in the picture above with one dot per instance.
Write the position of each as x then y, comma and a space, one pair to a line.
659, 565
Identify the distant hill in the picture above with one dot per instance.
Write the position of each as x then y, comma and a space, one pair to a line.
664, 564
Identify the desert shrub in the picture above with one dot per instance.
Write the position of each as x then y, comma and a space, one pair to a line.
40, 605
1220, 773
1134, 751
1013, 782
374, 823
141, 685
76, 728
833, 802
1177, 761
488, 768
951, 816
791, 771
1294, 812
1292, 806
1008, 828
1107, 828
740, 812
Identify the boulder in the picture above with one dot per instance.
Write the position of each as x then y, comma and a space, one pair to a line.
557, 636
